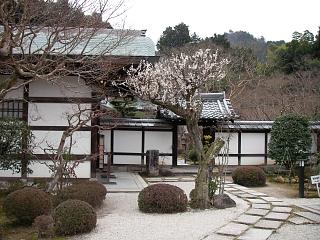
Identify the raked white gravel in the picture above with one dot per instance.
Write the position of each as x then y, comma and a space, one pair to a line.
120, 218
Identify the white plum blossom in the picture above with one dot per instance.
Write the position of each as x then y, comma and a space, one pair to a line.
175, 82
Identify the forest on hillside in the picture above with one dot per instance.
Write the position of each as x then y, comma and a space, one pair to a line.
264, 79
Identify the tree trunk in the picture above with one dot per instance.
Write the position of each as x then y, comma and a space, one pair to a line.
201, 184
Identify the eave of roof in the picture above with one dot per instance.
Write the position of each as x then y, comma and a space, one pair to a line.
215, 107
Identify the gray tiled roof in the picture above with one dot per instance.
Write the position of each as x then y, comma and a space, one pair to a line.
261, 125
214, 107
113, 42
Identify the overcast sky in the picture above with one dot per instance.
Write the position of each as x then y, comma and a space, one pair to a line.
273, 19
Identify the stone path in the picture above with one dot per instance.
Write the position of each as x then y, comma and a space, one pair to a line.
265, 215
126, 182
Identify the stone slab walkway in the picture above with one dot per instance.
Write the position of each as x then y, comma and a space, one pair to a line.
126, 182
265, 215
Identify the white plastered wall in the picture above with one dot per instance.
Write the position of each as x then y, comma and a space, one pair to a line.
40, 169
252, 143
44, 140
162, 141
55, 114
68, 87
131, 142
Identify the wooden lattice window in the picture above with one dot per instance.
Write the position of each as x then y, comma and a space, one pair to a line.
11, 109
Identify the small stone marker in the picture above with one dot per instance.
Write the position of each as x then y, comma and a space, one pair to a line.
233, 229
152, 160
316, 180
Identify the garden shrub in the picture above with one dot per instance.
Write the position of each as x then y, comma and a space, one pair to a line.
193, 156
91, 192
249, 176
162, 198
40, 184
15, 185
26, 204
290, 140
74, 216
44, 224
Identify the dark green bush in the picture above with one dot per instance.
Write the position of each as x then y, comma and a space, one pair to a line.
91, 192
44, 225
26, 204
249, 176
162, 198
74, 216
193, 156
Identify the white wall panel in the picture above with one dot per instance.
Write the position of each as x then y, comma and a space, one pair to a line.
232, 161
8, 173
40, 170
69, 87
252, 143
54, 114
81, 141
117, 159
161, 141
127, 141
252, 161
233, 141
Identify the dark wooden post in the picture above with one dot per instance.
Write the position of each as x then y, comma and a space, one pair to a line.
152, 161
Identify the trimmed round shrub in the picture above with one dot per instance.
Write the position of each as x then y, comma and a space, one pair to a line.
162, 198
74, 216
44, 224
249, 176
26, 204
91, 192
95, 186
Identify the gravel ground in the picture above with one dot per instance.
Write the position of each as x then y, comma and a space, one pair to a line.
290, 232
120, 218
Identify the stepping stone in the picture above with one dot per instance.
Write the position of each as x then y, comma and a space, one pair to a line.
246, 195
241, 187
299, 220
256, 234
277, 216
281, 204
256, 211
247, 219
237, 192
282, 209
233, 229
309, 215
261, 206
256, 200
268, 224
271, 199
256, 193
